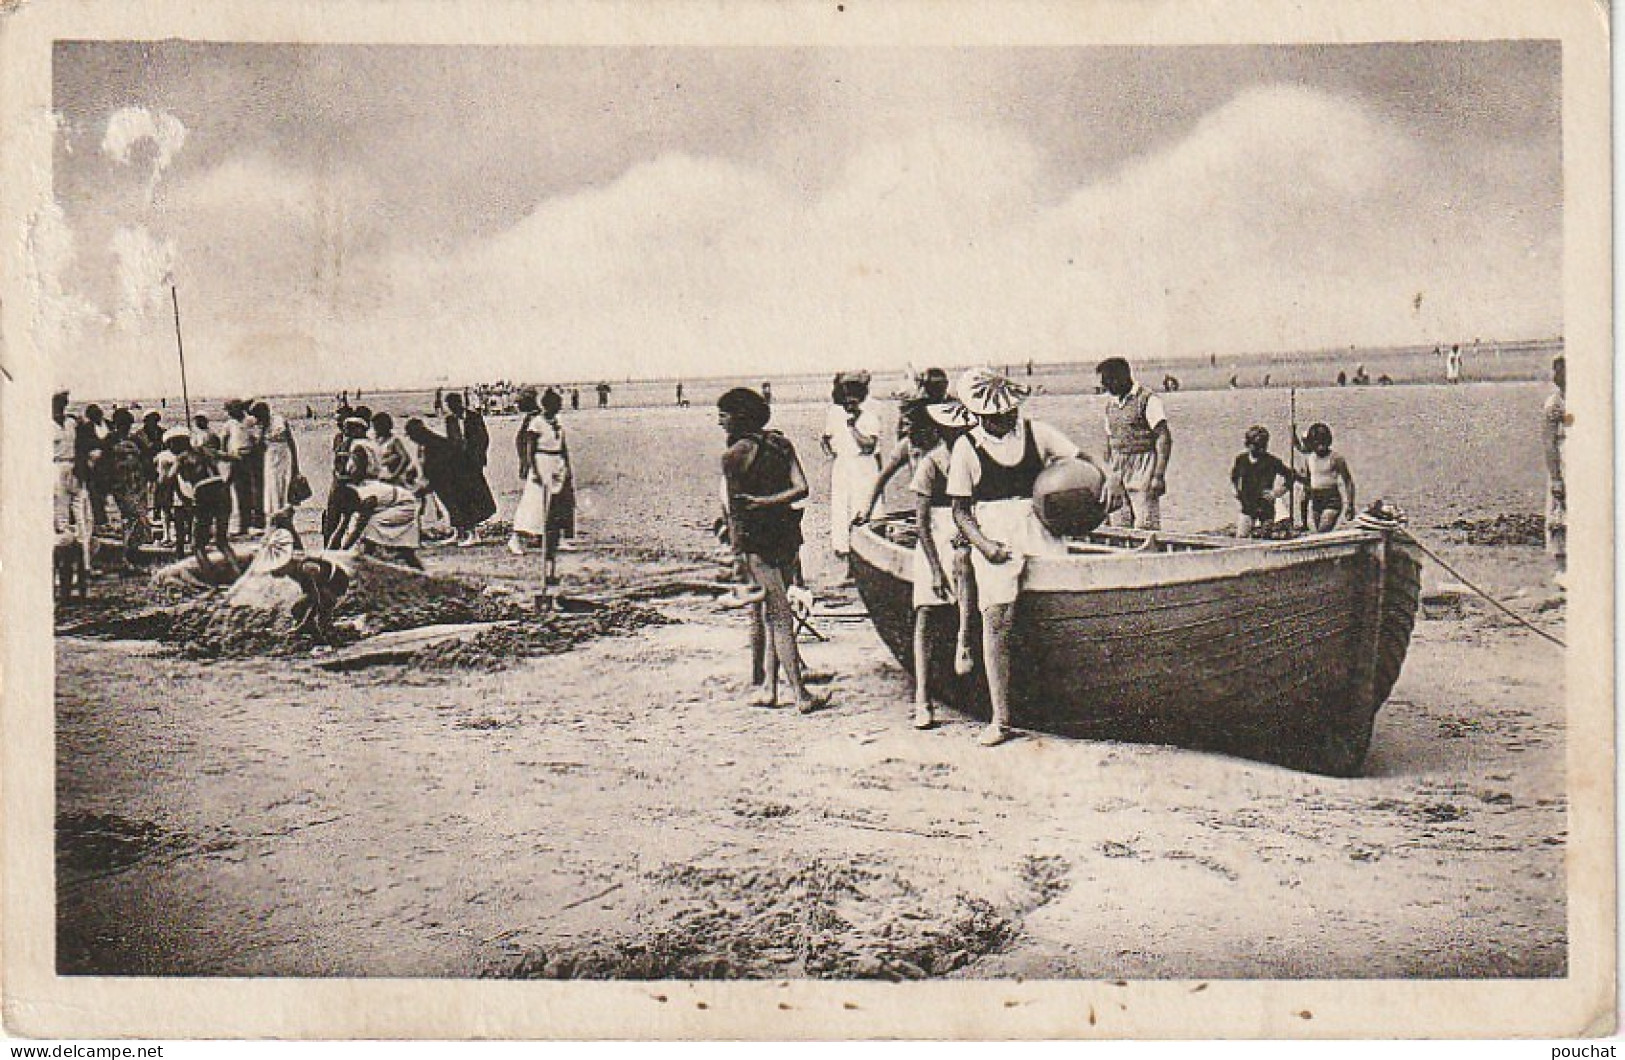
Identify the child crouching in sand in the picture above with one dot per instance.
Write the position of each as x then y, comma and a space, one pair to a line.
320, 578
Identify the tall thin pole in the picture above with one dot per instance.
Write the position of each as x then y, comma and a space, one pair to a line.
180, 350
1292, 454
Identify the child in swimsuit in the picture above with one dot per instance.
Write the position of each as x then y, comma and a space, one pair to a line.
1331, 483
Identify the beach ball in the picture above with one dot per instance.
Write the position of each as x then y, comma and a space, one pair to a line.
1066, 497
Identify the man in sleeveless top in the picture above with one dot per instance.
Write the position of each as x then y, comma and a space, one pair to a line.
990, 482
1138, 444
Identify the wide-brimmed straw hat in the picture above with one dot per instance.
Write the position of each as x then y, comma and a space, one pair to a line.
950, 414
988, 393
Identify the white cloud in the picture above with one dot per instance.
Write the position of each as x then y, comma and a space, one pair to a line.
1288, 217
130, 127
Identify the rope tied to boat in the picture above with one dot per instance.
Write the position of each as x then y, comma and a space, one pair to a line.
1390, 519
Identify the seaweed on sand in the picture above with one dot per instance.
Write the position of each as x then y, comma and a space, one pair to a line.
823, 919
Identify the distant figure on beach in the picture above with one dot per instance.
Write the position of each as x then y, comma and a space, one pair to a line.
1235, 381
173, 512
1452, 365
544, 464
603, 395
379, 516
204, 436
991, 474
1139, 444
764, 480
199, 480
395, 461
767, 392
439, 401
91, 463
1213, 360
72, 498
459, 487
1385, 380
281, 456
1330, 495
1170, 384
321, 579
238, 452
466, 430
681, 401
850, 440
1259, 480
363, 462
934, 428
1554, 436
127, 482
1360, 376
1266, 381
575, 399
1342, 378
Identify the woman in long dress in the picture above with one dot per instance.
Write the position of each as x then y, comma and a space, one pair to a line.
448, 474
545, 457
281, 455
850, 440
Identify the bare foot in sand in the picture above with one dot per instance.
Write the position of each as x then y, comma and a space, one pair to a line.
993, 735
763, 696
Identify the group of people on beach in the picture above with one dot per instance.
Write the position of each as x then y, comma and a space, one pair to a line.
172, 485
972, 456
974, 460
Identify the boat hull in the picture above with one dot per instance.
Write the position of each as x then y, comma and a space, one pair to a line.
1279, 652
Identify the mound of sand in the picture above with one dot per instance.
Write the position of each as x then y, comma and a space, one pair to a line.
823, 919
1517, 528
255, 616
501, 646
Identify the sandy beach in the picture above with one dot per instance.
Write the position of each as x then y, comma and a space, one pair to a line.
615, 809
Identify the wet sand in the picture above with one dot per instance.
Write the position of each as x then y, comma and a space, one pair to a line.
618, 810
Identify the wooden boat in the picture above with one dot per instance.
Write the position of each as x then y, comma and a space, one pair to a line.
1280, 651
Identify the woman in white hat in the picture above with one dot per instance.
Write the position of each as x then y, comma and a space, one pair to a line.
990, 478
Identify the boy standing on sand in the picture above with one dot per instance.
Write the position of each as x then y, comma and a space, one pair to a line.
1331, 483
1259, 479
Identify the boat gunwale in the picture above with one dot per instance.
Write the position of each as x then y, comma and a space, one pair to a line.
1134, 570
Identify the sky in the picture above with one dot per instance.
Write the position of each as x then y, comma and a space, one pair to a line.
354, 215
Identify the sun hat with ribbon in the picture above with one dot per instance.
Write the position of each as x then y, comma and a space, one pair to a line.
988, 393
